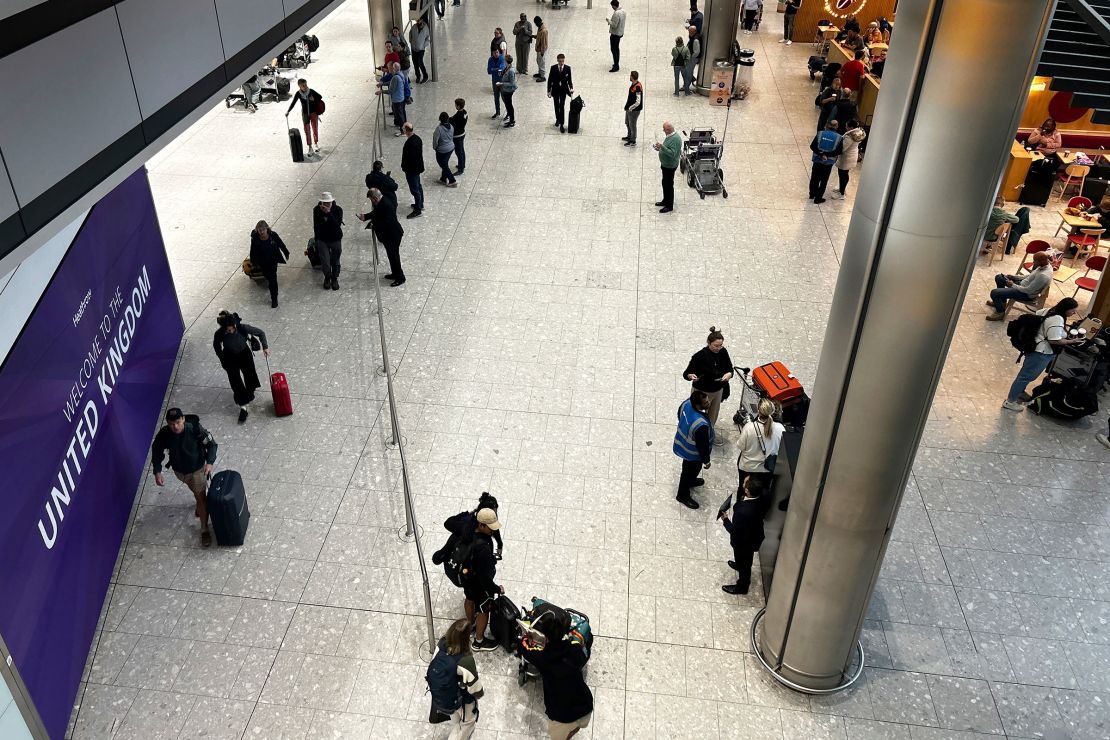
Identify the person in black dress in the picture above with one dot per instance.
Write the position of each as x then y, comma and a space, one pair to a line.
233, 344
267, 252
709, 370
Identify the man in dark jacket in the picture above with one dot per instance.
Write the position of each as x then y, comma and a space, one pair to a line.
567, 700
560, 85
745, 533
267, 252
412, 164
327, 229
192, 454
388, 230
479, 590
233, 344
380, 180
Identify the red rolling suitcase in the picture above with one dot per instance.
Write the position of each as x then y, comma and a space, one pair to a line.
777, 382
279, 388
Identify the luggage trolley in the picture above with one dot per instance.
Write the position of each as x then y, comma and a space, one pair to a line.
546, 621
700, 160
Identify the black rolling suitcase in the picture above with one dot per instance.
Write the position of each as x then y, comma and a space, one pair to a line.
1039, 182
296, 148
575, 117
227, 507
503, 624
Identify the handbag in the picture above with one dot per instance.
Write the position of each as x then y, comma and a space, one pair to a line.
769, 461
725, 391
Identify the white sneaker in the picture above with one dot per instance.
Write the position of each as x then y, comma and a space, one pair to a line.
782, 41
1013, 406
789, 42
836, 195
1103, 440
317, 148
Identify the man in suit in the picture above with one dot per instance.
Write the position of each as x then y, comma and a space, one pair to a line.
746, 534
412, 164
383, 220
560, 85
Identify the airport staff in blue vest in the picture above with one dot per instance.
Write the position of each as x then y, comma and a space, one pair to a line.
693, 442
826, 147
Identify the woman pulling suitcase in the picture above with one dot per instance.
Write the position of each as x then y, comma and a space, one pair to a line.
233, 343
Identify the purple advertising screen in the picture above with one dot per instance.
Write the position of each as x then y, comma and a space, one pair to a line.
80, 394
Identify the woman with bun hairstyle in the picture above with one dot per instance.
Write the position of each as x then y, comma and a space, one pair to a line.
759, 439
233, 343
709, 370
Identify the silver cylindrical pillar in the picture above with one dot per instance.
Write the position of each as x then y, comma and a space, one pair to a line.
919, 214
384, 15
718, 31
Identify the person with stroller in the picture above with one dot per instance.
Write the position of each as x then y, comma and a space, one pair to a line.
693, 443
233, 343
567, 700
745, 529
453, 680
709, 370
312, 105
267, 252
759, 439
192, 451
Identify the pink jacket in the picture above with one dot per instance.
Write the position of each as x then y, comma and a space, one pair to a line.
1046, 144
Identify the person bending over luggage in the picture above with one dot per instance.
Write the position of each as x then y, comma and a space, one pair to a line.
693, 443
233, 343
311, 108
453, 680
745, 530
759, 439
382, 181
267, 252
479, 590
709, 370
1022, 288
1052, 333
567, 700
192, 453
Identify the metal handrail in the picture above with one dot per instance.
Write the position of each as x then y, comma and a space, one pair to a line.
411, 529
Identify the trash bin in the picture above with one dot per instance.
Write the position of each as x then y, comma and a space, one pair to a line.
720, 82
745, 66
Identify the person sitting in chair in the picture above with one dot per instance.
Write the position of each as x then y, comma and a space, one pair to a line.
1020, 288
999, 216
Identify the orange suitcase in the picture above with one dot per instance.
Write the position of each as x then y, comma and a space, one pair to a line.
777, 382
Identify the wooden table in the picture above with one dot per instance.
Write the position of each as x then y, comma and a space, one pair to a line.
1063, 273
1075, 223
1017, 169
824, 35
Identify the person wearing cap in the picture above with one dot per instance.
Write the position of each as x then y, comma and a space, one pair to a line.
693, 443
233, 343
479, 590
327, 229
192, 452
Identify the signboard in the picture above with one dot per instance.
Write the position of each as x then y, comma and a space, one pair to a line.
720, 84
80, 393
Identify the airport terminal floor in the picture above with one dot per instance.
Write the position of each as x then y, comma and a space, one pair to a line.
538, 344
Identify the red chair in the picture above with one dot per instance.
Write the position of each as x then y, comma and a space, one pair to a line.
1037, 245
1085, 242
1086, 282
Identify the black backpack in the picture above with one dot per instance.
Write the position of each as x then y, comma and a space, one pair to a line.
443, 681
455, 553
1023, 332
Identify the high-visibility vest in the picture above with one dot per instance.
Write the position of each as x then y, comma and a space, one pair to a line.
689, 421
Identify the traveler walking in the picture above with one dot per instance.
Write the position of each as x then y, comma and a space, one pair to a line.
693, 443
633, 106
441, 7
312, 105
388, 230
693, 44
1052, 333
790, 15
453, 681
826, 147
541, 48
383, 181
680, 55
327, 229
709, 370
616, 32
412, 164
524, 33
458, 123
759, 440
443, 144
751, 10
745, 530
669, 152
560, 85
267, 252
192, 452
567, 700
419, 38
495, 66
849, 156
233, 343
507, 86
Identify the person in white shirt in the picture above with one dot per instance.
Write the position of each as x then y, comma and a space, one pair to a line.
759, 439
1020, 288
616, 32
1053, 333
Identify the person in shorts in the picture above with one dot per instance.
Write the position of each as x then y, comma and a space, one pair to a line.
479, 590
192, 452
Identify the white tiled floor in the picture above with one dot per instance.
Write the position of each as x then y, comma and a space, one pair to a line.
539, 340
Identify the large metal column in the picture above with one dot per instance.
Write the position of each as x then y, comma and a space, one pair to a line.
384, 15
948, 105
718, 31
